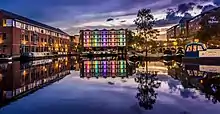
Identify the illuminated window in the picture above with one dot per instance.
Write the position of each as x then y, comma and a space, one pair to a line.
18, 25
189, 48
7, 22
200, 48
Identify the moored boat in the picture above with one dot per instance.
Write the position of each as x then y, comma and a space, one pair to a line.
168, 55
179, 54
4, 58
198, 53
36, 55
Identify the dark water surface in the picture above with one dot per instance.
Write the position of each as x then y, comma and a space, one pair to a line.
67, 86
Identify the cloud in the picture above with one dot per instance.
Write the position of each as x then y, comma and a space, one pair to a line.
199, 6
216, 2
70, 14
207, 8
185, 7
110, 19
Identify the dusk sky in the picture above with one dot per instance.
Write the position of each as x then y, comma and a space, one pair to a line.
73, 15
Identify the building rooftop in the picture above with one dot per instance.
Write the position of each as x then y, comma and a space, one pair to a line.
21, 18
102, 29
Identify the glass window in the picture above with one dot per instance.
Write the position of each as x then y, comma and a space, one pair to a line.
18, 25
200, 48
189, 48
195, 48
4, 36
26, 26
7, 22
26, 38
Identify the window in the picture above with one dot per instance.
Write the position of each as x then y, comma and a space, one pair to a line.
30, 28
26, 38
194, 48
18, 25
26, 26
22, 26
4, 36
3, 49
200, 48
189, 48
7, 22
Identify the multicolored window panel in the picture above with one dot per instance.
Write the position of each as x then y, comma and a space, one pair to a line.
104, 69
104, 38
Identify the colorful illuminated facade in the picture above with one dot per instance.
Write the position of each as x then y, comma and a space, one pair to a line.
101, 40
104, 68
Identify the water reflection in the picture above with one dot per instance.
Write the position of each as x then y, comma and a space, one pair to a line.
103, 68
147, 95
202, 79
20, 79
143, 73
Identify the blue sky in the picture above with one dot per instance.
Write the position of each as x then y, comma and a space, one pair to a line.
72, 15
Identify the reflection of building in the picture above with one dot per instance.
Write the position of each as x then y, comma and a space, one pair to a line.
74, 63
22, 35
188, 29
104, 68
201, 77
21, 79
74, 43
104, 40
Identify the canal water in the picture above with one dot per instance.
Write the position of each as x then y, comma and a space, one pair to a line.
67, 85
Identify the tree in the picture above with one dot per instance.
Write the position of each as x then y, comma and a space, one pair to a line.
210, 26
131, 38
145, 22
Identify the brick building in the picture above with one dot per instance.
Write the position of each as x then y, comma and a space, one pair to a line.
20, 35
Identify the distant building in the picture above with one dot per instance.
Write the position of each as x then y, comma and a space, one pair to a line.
187, 29
74, 43
104, 40
20, 35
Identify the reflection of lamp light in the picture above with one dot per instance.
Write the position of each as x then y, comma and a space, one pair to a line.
56, 65
165, 44
201, 81
175, 43
45, 69
24, 72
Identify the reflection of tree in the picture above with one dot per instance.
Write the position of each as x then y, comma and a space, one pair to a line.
180, 78
146, 94
211, 88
